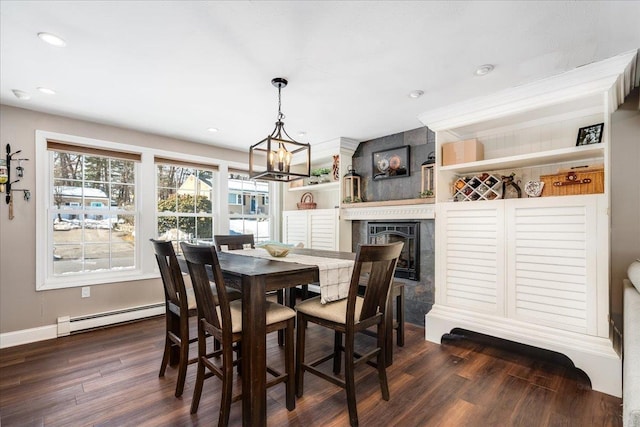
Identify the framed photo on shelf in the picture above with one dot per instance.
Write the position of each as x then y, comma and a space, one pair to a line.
590, 134
391, 163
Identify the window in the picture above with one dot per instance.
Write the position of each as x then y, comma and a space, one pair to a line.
92, 211
250, 213
184, 202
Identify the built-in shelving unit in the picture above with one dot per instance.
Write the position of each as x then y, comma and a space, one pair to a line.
530, 270
322, 186
540, 158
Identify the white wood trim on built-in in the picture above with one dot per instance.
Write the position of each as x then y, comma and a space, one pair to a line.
394, 212
594, 355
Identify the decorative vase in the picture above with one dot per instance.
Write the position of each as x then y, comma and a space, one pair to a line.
634, 273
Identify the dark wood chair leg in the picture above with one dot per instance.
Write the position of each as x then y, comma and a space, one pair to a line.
382, 371
289, 361
388, 320
400, 317
337, 348
301, 323
227, 386
349, 380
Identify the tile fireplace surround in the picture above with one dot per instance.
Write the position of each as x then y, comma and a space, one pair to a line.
418, 294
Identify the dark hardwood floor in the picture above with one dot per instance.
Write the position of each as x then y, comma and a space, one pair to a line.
109, 377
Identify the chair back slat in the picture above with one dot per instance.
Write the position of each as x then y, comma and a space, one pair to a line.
233, 241
174, 288
204, 266
379, 262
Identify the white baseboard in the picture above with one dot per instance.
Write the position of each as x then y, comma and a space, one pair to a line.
594, 355
67, 325
26, 336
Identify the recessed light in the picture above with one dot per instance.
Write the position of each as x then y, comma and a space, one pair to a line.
21, 95
416, 94
483, 70
52, 39
47, 90
213, 129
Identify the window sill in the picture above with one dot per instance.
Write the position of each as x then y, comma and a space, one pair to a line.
93, 279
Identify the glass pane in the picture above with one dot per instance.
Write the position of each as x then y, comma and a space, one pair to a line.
67, 165
96, 257
186, 179
264, 229
67, 259
124, 229
187, 227
203, 205
186, 202
96, 168
236, 225
167, 227
166, 176
122, 171
167, 200
122, 196
97, 228
204, 227
66, 230
122, 255
96, 195
67, 194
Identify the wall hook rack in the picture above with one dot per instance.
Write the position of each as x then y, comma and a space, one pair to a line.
5, 178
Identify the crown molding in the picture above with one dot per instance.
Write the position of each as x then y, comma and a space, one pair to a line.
617, 76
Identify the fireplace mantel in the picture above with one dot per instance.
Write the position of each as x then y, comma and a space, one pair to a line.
389, 210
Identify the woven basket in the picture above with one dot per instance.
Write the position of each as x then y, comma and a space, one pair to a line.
306, 202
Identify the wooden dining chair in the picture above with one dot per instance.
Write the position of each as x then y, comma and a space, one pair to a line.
241, 241
224, 323
350, 316
180, 305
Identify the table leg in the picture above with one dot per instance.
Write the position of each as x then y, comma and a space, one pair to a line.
254, 353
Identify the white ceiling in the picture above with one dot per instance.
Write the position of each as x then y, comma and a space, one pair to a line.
178, 68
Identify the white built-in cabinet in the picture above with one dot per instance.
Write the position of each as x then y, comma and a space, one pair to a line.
315, 228
320, 228
531, 270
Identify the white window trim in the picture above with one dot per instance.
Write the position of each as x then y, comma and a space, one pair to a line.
146, 267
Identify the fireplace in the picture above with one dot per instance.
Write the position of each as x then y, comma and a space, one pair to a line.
407, 232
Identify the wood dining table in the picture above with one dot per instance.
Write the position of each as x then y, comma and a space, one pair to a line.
255, 276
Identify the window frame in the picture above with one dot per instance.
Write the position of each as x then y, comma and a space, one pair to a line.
146, 204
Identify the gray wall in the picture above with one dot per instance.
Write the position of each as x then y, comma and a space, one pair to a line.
421, 141
418, 294
625, 197
21, 307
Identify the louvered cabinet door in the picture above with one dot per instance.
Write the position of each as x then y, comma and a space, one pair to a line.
295, 225
470, 253
552, 261
323, 226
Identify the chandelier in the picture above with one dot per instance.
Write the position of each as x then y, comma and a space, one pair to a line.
286, 159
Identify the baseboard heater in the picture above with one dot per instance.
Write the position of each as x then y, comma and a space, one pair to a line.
68, 325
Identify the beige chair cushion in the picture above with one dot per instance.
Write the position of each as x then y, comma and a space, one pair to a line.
233, 295
333, 311
275, 313
191, 299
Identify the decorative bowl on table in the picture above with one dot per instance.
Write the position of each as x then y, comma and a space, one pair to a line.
276, 250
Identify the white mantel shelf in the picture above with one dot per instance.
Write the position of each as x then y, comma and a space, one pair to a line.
389, 210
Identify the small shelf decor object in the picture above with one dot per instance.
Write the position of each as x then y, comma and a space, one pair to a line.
534, 188
351, 186
454, 153
574, 181
392, 163
322, 174
306, 202
426, 173
478, 187
590, 135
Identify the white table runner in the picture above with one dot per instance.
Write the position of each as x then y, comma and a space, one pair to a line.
335, 274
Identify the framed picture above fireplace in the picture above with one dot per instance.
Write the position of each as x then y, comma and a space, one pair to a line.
391, 163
